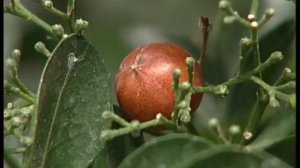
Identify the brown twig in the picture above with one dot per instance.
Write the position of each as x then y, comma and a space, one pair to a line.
205, 27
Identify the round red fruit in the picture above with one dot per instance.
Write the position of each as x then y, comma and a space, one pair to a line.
144, 83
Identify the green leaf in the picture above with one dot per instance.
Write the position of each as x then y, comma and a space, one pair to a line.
282, 127
279, 136
230, 156
165, 151
73, 92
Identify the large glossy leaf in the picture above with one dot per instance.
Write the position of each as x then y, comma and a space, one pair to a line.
230, 156
280, 128
165, 151
279, 135
73, 92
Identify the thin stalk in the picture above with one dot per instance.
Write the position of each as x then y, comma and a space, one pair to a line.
10, 88
205, 28
18, 9
56, 12
71, 14
22, 87
254, 7
111, 134
270, 89
274, 58
257, 111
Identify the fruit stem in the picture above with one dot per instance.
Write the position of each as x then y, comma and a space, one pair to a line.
205, 27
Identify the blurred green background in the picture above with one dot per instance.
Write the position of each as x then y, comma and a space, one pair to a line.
116, 27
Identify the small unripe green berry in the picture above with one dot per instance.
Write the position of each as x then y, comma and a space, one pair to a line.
159, 116
16, 121
234, 130
135, 124
287, 70
16, 54
26, 140
57, 30
185, 86
80, 25
276, 56
229, 19
106, 114
213, 123
224, 4
222, 90
254, 24
10, 62
247, 135
245, 41
185, 117
190, 61
176, 73
41, 48
251, 17
270, 12
182, 104
47, 4
10, 105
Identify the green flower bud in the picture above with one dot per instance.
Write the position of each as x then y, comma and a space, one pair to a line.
224, 4
213, 123
47, 4
229, 19
185, 86
270, 12
41, 48
58, 30
234, 130
80, 25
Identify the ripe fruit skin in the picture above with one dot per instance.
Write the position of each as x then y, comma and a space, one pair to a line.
144, 83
